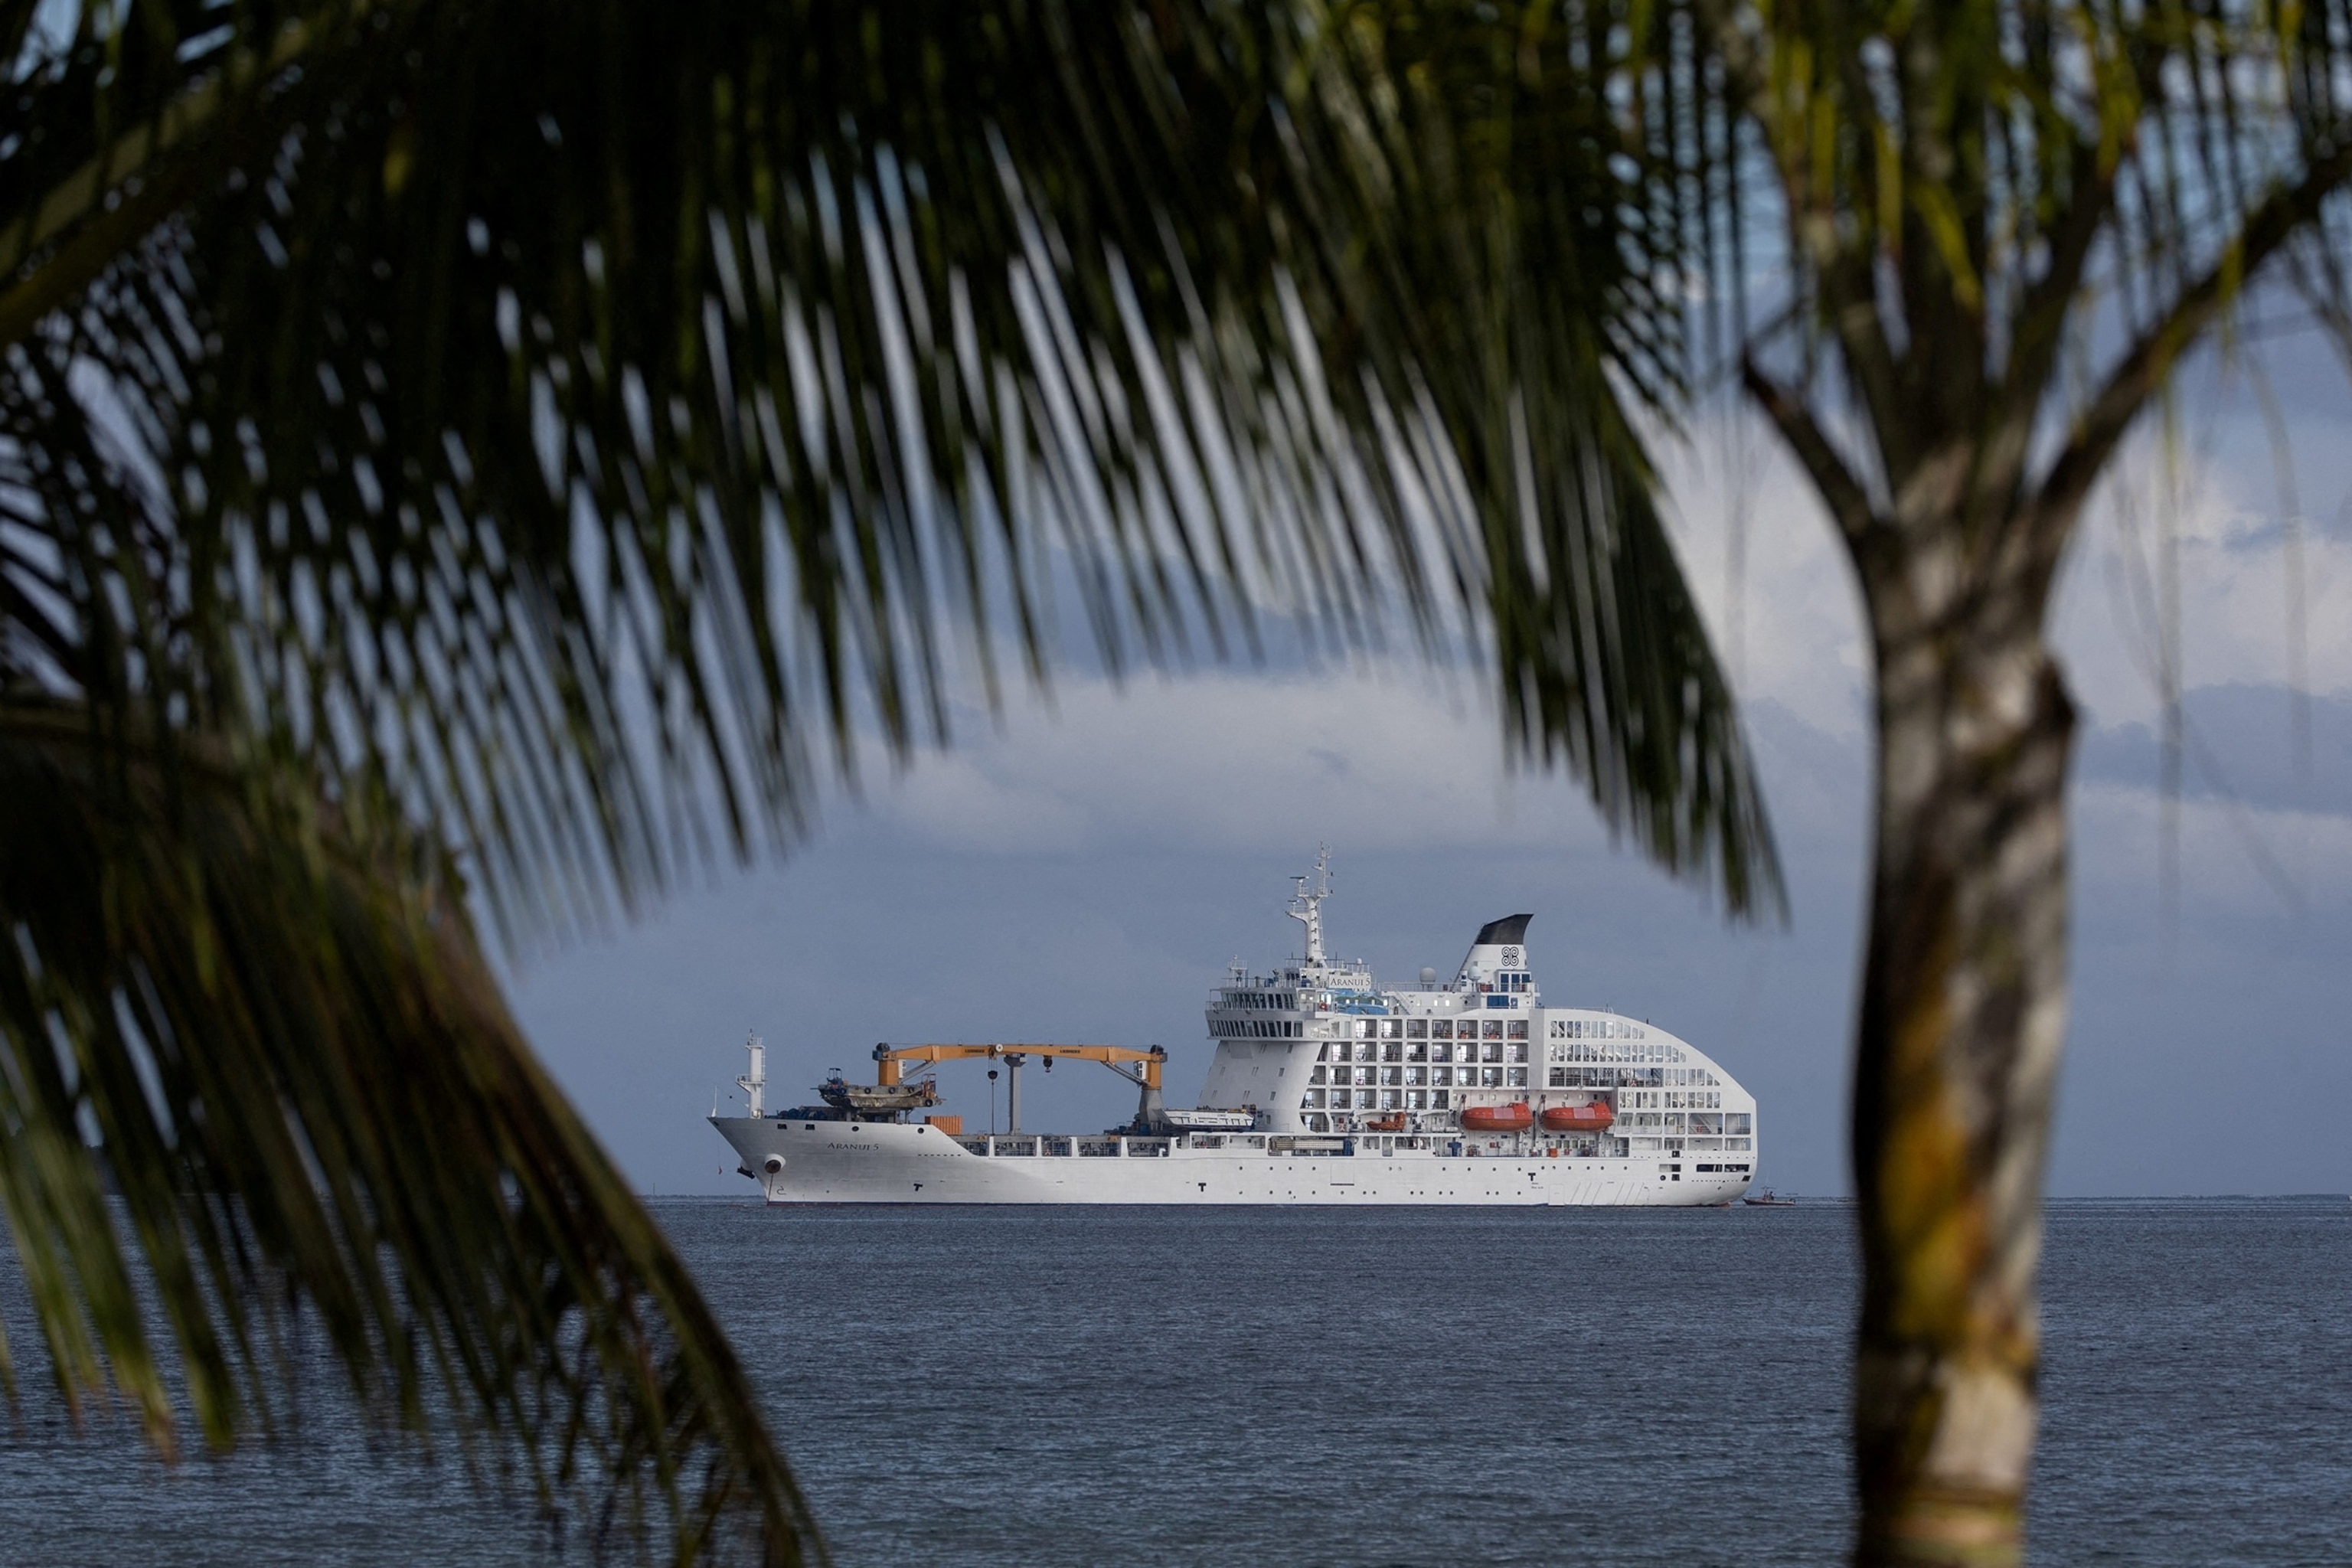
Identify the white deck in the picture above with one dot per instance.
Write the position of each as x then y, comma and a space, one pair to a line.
889, 1163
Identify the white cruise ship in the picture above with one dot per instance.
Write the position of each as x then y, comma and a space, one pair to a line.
1325, 1087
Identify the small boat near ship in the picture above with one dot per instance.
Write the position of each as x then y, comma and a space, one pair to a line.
1324, 1088
866, 1100
1766, 1198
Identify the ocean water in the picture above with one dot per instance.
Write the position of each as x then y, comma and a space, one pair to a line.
1635, 1387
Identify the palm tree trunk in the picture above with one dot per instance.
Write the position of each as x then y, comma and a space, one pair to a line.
1963, 1014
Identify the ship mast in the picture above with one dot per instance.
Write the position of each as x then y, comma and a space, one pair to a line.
1307, 906
754, 1082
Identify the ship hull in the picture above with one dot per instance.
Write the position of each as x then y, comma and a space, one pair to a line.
827, 1163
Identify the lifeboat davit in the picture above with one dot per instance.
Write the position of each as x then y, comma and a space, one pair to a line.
1593, 1117
1513, 1118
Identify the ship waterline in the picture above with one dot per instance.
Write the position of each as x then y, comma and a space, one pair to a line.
1324, 1087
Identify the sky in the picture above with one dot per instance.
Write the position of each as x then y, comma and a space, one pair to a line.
1082, 866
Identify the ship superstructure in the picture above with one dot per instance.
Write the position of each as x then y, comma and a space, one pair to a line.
1325, 1086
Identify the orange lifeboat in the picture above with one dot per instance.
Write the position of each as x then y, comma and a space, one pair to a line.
1385, 1123
1593, 1117
1512, 1118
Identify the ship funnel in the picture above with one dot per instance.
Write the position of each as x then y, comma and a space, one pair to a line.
1498, 960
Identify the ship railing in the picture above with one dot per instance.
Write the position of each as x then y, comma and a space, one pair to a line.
1030, 1146
1122, 1148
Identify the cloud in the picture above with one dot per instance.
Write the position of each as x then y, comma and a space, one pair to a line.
2262, 842
2261, 837
1770, 574
1387, 756
1780, 602
2252, 744
2238, 576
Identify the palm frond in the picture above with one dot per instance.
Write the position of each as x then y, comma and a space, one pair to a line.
274, 1042
582, 365
2007, 223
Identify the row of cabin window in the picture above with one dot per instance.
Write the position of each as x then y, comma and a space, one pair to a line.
1424, 1051
1279, 1001
1380, 1100
1253, 1028
1439, 1028
1670, 1099
1468, 1076
1703, 1122
1678, 1077
1603, 1077
1657, 1099
1597, 1029
1616, 1051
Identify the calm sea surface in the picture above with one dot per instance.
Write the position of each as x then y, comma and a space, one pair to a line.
1041, 1387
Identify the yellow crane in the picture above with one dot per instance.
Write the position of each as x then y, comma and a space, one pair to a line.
1141, 1068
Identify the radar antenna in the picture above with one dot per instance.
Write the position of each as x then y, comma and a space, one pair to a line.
1307, 904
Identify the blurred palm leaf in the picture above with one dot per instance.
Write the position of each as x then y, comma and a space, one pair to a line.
720, 362
559, 432
300, 1074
